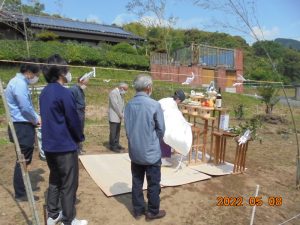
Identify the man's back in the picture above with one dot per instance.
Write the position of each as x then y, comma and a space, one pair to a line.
79, 97
144, 124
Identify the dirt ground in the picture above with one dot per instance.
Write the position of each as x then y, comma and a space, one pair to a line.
271, 165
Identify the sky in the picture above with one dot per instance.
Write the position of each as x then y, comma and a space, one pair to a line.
277, 18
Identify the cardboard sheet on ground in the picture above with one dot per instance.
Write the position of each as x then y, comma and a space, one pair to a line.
210, 168
170, 176
112, 173
213, 170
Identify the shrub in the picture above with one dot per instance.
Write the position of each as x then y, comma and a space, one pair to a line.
46, 36
124, 48
74, 53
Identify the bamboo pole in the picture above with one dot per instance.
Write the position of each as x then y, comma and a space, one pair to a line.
297, 141
21, 160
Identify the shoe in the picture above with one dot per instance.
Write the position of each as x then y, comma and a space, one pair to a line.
137, 216
160, 214
115, 149
43, 158
78, 222
165, 162
51, 221
120, 147
25, 199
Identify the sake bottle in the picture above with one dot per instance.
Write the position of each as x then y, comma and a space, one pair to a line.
219, 99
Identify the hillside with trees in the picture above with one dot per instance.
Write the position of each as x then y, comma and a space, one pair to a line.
289, 43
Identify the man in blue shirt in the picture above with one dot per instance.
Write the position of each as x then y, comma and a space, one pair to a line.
145, 127
24, 119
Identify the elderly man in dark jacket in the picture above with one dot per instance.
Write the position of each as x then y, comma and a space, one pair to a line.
79, 96
145, 127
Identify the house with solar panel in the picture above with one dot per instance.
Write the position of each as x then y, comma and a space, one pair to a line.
12, 27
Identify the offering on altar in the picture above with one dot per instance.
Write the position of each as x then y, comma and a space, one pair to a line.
194, 103
207, 103
198, 94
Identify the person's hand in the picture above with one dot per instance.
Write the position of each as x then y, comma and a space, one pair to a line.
39, 123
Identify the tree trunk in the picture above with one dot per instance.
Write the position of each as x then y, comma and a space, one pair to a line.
269, 109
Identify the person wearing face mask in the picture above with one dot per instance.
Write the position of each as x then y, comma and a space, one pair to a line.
145, 128
115, 116
78, 93
24, 118
61, 131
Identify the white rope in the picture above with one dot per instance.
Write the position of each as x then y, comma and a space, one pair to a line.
290, 219
254, 207
179, 164
140, 71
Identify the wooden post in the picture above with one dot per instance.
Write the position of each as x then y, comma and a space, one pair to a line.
211, 139
21, 160
240, 157
204, 140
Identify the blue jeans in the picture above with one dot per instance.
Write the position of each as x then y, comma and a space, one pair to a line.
153, 176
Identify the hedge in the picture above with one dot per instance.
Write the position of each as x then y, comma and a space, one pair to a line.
74, 53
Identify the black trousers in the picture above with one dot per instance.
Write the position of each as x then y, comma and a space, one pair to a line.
63, 184
25, 132
114, 134
153, 176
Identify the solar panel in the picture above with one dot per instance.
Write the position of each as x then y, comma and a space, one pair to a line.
71, 24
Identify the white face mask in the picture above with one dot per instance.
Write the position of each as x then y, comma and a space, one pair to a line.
68, 77
33, 80
150, 92
122, 92
83, 86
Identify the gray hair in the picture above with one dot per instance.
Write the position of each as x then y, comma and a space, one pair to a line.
123, 85
141, 82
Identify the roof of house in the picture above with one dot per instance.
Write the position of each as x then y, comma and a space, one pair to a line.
48, 22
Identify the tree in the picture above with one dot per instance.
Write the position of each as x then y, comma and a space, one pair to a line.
136, 28
291, 65
269, 96
152, 13
274, 49
34, 7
